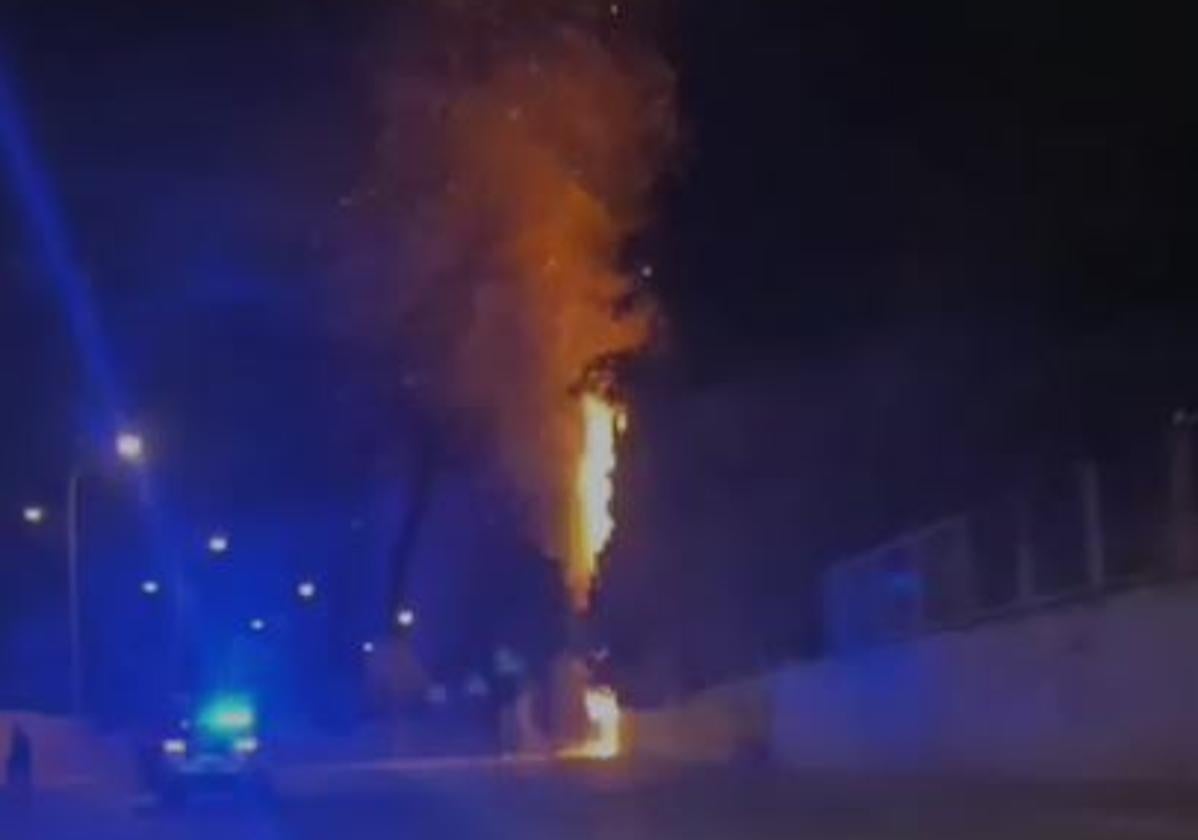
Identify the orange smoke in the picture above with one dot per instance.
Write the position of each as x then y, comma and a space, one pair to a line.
549, 154
524, 157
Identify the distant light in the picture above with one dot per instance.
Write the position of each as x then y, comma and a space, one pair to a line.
476, 686
130, 447
507, 662
245, 744
174, 746
614, 8
218, 543
34, 514
150, 587
367, 647
405, 617
306, 590
647, 271
257, 625
437, 694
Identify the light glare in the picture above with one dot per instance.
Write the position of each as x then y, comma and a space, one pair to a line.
130, 446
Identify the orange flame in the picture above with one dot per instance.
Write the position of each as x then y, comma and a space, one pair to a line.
603, 720
594, 523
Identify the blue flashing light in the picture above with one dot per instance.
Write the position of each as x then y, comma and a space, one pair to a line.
227, 715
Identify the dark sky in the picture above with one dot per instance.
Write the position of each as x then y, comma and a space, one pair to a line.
989, 201
876, 160
999, 188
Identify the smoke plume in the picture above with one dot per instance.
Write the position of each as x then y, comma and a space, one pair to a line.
527, 159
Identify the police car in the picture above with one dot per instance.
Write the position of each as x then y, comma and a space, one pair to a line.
215, 750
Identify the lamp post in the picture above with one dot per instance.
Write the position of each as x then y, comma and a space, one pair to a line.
130, 448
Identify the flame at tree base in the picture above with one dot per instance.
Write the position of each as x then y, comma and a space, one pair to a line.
601, 423
603, 724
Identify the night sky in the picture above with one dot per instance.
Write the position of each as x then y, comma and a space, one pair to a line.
996, 195
1011, 173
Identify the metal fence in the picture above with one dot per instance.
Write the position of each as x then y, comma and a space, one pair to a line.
1075, 532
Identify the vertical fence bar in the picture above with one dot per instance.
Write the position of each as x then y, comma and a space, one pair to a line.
966, 563
1183, 518
1025, 557
1095, 542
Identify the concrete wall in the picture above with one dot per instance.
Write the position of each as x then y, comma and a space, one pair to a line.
723, 724
1100, 689
68, 754
1105, 689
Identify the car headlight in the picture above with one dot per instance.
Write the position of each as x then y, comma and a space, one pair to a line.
174, 746
245, 744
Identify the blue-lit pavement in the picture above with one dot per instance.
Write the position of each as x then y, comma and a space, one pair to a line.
490, 798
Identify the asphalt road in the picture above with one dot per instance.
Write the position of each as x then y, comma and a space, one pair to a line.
529, 801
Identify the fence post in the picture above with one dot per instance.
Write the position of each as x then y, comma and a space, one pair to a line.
1183, 518
1025, 559
1095, 543
967, 579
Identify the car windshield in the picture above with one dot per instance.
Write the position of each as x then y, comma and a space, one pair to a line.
597, 418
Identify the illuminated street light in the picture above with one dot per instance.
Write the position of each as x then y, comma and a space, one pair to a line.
218, 543
405, 617
306, 590
34, 515
150, 587
367, 647
257, 625
130, 447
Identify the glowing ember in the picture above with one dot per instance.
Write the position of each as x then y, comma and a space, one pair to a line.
603, 721
602, 422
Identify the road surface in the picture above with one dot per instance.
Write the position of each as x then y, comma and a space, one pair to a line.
462, 799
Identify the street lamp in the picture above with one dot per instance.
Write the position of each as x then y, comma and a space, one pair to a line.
306, 590
150, 587
218, 543
130, 448
405, 617
34, 514
367, 647
257, 624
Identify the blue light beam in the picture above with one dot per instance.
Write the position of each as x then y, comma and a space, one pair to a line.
35, 195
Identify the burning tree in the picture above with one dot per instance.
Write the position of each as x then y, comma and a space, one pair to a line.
525, 157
